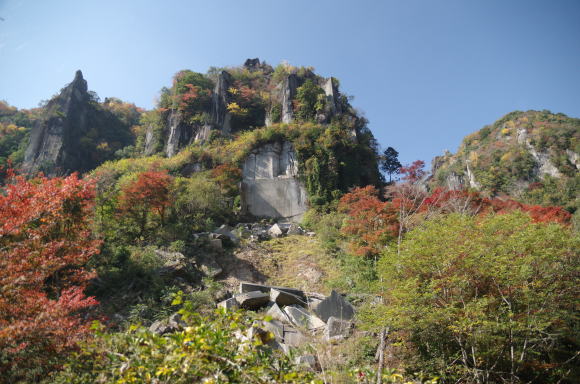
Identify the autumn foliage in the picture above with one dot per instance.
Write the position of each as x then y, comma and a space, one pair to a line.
371, 222
45, 242
147, 196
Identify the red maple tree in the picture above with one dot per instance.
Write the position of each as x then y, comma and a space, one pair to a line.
149, 193
45, 243
371, 222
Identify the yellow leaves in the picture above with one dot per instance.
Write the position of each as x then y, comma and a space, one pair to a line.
233, 91
164, 371
505, 131
235, 109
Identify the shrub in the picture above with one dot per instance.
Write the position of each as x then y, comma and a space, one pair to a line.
208, 350
486, 299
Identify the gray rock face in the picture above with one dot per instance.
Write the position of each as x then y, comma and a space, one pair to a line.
253, 300
302, 318
151, 141
220, 118
54, 141
333, 106
285, 298
336, 327
288, 93
181, 133
270, 187
334, 306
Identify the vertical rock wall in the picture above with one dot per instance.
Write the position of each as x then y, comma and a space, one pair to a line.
270, 185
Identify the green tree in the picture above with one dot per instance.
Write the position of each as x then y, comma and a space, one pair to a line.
390, 162
487, 300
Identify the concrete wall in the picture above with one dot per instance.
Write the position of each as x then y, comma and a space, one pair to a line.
270, 186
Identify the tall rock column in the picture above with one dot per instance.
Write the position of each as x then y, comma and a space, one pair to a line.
54, 145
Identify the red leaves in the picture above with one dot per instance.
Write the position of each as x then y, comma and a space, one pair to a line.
414, 172
371, 222
149, 193
45, 241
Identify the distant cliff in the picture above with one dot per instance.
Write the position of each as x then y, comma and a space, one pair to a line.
533, 155
76, 133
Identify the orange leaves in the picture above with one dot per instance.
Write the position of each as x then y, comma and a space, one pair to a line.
371, 222
45, 241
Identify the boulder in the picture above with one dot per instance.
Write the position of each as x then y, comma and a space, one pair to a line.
276, 313
229, 304
302, 318
285, 298
308, 361
226, 230
334, 306
336, 327
249, 287
208, 265
253, 300
275, 231
293, 337
276, 327
294, 229
176, 265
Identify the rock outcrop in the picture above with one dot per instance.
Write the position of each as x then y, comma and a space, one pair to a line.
270, 185
182, 133
288, 94
54, 145
520, 150
76, 132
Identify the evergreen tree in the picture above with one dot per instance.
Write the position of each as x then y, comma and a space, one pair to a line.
390, 162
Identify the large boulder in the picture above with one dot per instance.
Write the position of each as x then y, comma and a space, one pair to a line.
334, 306
252, 300
336, 328
285, 298
302, 318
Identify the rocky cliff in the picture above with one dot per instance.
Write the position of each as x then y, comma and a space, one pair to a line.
270, 185
76, 132
519, 153
230, 100
54, 141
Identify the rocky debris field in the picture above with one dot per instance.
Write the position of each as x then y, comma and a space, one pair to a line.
293, 317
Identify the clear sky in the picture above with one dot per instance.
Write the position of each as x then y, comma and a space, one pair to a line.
425, 73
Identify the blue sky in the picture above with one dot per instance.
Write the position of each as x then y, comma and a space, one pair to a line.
425, 73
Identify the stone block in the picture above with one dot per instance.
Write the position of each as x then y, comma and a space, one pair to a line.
283, 298
230, 304
252, 300
334, 306
276, 313
302, 318
293, 337
249, 287
336, 327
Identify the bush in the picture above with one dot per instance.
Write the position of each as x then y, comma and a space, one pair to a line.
208, 350
486, 299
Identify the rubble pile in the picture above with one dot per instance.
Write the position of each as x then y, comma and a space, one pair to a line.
296, 316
